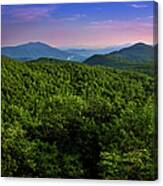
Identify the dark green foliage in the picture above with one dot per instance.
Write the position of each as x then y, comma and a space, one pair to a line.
70, 120
138, 52
139, 57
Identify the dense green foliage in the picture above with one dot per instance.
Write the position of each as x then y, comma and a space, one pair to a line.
139, 52
139, 57
70, 120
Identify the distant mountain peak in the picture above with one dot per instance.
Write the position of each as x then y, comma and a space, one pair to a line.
139, 53
34, 50
139, 44
37, 43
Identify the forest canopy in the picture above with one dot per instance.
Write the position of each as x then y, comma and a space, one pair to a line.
68, 120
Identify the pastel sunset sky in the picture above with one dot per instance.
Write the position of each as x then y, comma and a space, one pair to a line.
80, 24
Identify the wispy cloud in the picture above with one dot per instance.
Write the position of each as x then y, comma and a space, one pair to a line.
29, 14
74, 17
150, 17
139, 6
138, 18
66, 24
120, 25
104, 22
120, 31
147, 18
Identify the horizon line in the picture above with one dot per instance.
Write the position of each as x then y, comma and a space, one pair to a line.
75, 46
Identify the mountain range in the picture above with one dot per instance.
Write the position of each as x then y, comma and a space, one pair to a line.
88, 52
136, 57
35, 50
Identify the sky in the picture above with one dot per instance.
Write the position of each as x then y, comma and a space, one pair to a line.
77, 25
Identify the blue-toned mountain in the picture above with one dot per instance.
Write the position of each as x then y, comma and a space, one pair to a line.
35, 50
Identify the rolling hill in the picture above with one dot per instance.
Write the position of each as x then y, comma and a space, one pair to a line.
136, 57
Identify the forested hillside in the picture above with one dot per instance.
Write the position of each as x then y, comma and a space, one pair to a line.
68, 120
139, 57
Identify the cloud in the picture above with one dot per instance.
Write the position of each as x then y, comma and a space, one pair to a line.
150, 17
28, 14
138, 18
74, 17
120, 31
105, 22
139, 6
136, 24
147, 18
